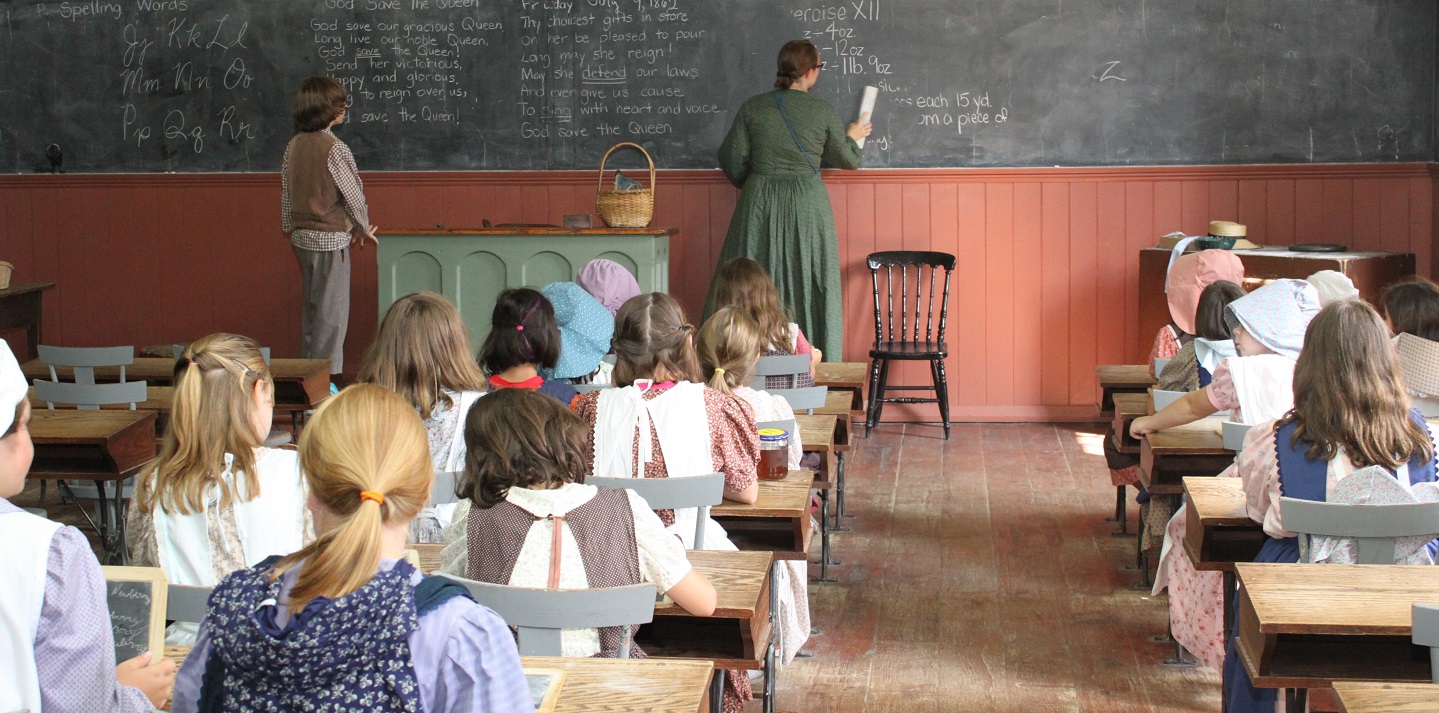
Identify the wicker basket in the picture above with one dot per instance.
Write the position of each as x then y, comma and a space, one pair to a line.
625, 209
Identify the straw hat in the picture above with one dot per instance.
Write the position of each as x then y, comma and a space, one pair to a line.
1226, 235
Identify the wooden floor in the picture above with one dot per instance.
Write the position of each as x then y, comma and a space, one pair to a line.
981, 576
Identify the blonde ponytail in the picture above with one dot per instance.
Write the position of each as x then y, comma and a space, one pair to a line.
211, 416
366, 458
728, 346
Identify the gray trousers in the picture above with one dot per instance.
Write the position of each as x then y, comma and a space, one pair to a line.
325, 277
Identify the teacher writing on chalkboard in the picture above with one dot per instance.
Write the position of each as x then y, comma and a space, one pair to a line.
773, 153
322, 209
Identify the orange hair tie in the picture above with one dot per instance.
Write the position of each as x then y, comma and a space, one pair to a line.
372, 495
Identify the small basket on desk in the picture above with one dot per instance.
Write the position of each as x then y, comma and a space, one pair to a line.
633, 208
5, 271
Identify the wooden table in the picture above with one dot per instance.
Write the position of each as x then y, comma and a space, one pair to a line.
1218, 532
98, 446
1195, 449
20, 308
1127, 407
737, 635
1357, 697
618, 685
844, 376
1120, 379
1305, 626
161, 400
300, 384
778, 520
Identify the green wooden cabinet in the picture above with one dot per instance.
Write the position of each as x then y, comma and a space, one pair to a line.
471, 267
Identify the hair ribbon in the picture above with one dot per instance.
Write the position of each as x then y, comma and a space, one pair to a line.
372, 495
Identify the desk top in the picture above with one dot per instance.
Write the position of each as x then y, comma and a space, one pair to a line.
1203, 437
23, 288
619, 685
1359, 697
74, 427
1135, 376
788, 498
159, 370
1347, 599
738, 579
841, 374
1218, 501
816, 433
1131, 405
837, 402
161, 399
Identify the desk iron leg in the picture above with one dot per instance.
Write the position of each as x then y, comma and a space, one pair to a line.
824, 558
717, 691
769, 674
1231, 589
121, 546
839, 513
1121, 512
1296, 700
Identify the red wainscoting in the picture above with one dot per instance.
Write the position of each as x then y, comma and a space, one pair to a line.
1046, 288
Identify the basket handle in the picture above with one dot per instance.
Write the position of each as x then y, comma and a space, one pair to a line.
600, 181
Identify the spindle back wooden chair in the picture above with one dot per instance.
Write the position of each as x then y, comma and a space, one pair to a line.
910, 331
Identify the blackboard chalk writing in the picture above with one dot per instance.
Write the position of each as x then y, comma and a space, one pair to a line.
174, 128
77, 11
229, 41
130, 131
232, 129
1108, 73
158, 5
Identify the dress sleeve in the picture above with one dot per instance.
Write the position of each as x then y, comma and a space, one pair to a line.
734, 151
662, 555
74, 648
840, 151
734, 442
1258, 466
480, 670
186, 696
352, 190
1181, 373
801, 343
586, 406
1221, 390
287, 220
1166, 345
140, 537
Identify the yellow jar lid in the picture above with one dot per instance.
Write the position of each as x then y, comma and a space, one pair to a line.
773, 434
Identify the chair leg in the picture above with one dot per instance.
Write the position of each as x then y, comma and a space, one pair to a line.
941, 388
879, 402
874, 367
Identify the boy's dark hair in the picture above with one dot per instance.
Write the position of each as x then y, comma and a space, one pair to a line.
317, 103
518, 438
508, 345
1209, 316
1413, 307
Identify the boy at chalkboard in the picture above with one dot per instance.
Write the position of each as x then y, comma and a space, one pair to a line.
323, 211
57, 652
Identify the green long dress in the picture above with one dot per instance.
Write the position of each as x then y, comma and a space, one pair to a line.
784, 220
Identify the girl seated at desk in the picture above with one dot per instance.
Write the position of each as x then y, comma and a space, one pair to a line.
660, 400
1412, 312
61, 655
218, 500
346, 623
524, 338
1349, 413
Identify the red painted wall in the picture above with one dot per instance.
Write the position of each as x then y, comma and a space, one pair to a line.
1047, 284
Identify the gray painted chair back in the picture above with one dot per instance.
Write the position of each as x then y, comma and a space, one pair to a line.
443, 491
186, 603
695, 491
84, 360
90, 396
1159, 365
791, 365
609, 359
1373, 527
540, 614
586, 388
806, 400
1426, 633
1234, 434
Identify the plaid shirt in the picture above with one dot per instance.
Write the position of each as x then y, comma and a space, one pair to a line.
352, 194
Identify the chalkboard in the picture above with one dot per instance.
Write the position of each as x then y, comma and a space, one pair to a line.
206, 85
136, 598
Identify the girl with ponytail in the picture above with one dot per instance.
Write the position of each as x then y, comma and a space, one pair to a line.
217, 500
346, 623
524, 338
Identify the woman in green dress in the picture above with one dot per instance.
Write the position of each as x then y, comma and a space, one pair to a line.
773, 153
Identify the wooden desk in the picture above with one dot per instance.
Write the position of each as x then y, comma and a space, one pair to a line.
1355, 697
737, 635
1307, 626
1370, 271
161, 399
1120, 379
846, 377
618, 685
1127, 407
1218, 531
300, 384
1195, 449
20, 308
778, 521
